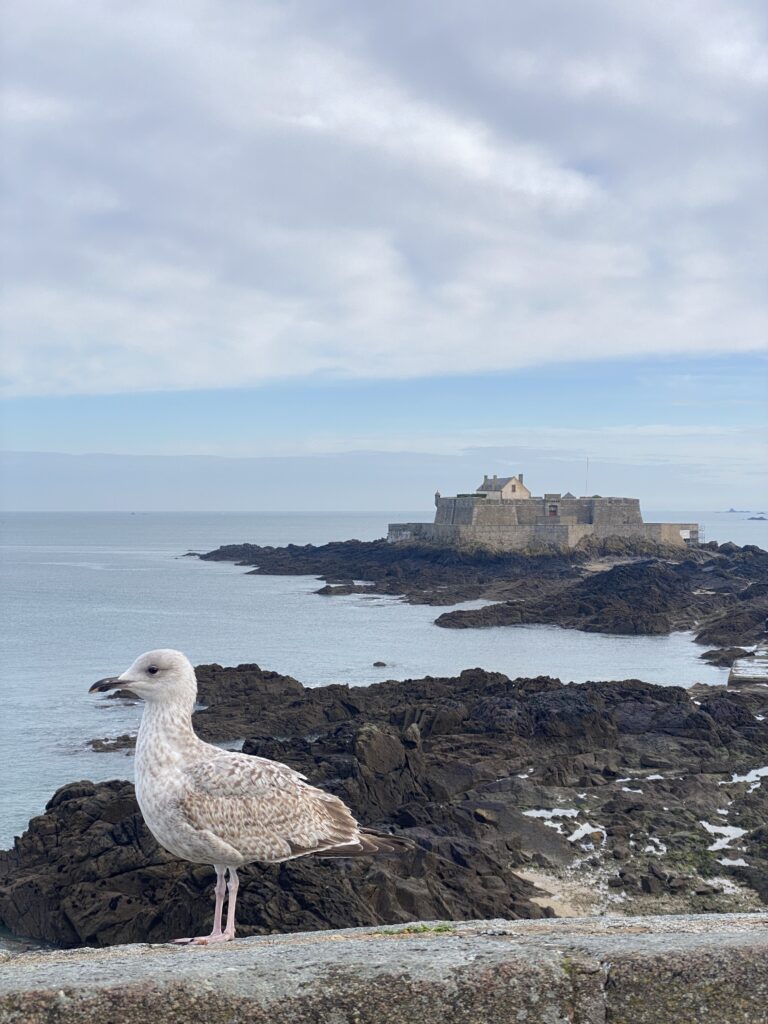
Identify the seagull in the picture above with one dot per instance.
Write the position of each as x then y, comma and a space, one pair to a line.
213, 806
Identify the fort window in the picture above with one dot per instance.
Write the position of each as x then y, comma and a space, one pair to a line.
553, 510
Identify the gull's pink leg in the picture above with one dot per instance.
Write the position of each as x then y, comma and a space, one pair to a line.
220, 890
234, 885
216, 934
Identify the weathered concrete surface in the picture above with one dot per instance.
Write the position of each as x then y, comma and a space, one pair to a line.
645, 970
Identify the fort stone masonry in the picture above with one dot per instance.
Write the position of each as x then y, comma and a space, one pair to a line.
503, 514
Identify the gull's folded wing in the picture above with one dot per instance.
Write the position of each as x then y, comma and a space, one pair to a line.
266, 810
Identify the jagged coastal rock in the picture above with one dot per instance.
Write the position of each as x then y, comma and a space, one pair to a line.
524, 798
615, 586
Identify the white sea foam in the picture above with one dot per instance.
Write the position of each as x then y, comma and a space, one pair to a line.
655, 846
555, 812
556, 825
727, 834
754, 777
587, 830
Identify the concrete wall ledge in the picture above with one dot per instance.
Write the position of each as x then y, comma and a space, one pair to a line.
641, 970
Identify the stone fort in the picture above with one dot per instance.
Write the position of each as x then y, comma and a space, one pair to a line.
503, 514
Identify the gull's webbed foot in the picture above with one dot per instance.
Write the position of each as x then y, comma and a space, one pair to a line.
205, 940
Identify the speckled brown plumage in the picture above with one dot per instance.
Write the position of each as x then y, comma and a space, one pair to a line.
212, 806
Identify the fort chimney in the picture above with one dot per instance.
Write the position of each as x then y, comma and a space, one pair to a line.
495, 478
520, 477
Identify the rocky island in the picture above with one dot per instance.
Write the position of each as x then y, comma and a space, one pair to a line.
617, 585
588, 563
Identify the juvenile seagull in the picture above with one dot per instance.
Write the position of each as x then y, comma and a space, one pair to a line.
212, 806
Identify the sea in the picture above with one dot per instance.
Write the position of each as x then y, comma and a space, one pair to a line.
82, 594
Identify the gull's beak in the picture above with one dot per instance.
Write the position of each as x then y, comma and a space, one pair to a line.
103, 685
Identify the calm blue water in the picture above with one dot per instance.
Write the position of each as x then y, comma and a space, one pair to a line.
83, 594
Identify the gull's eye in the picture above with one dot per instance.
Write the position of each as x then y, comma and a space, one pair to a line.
153, 670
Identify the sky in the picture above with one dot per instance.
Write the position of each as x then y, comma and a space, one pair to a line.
375, 243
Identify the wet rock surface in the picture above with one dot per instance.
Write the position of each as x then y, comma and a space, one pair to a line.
88, 872
523, 798
724, 657
421, 572
615, 586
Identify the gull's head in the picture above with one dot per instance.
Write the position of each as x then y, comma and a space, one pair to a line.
158, 676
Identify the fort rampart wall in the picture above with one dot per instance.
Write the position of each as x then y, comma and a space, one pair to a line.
509, 525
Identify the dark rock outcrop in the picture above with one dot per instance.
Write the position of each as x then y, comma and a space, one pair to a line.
88, 872
614, 587
423, 573
650, 597
619, 776
744, 623
724, 657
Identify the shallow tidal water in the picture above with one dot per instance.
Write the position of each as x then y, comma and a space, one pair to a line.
83, 594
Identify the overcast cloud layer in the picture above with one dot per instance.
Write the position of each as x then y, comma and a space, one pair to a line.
206, 194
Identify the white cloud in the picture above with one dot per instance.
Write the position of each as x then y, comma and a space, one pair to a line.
26, 107
208, 196
345, 101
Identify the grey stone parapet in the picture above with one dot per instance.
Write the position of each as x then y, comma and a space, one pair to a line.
693, 969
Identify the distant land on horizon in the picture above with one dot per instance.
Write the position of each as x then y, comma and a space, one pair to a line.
350, 481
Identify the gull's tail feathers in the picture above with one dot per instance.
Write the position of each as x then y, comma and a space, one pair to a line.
371, 844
